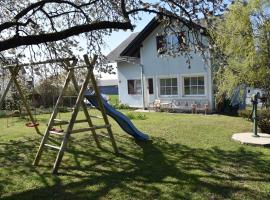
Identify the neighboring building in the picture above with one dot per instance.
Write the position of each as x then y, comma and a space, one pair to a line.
251, 91
143, 76
109, 86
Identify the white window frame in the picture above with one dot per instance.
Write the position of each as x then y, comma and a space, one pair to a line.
168, 77
194, 75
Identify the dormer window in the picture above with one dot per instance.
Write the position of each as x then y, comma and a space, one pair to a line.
172, 42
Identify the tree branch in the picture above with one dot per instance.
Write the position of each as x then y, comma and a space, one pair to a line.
52, 37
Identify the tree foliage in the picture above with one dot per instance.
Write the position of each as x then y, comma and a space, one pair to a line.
242, 48
54, 27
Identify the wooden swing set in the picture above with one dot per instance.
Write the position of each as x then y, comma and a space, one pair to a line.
14, 70
70, 66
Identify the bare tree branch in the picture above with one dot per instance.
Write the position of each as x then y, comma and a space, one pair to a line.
51, 37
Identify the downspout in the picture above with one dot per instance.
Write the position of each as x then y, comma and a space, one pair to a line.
142, 85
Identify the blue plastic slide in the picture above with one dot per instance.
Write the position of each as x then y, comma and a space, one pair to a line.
119, 117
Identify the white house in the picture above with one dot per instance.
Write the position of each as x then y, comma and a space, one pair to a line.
250, 91
144, 76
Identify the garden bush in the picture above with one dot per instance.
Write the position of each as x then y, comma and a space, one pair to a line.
2, 114
264, 121
263, 118
121, 106
131, 115
137, 116
245, 114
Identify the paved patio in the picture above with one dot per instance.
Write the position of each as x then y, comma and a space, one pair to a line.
248, 138
143, 111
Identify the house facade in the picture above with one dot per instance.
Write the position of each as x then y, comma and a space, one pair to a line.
144, 76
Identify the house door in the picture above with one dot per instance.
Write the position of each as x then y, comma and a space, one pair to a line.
149, 96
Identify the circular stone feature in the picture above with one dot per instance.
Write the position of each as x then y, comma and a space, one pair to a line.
248, 138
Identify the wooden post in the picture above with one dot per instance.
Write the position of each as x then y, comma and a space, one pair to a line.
2, 99
24, 100
100, 104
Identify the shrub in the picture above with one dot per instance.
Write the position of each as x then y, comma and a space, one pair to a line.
121, 106
2, 114
131, 115
264, 121
245, 114
134, 116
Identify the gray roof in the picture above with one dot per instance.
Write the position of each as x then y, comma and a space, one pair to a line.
133, 42
114, 54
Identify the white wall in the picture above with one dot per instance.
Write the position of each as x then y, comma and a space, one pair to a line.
127, 71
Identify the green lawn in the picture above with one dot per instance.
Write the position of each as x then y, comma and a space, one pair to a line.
190, 157
113, 99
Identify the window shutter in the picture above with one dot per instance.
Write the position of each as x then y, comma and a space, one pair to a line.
150, 86
161, 47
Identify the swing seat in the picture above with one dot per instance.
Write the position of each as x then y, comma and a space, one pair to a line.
57, 130
31, 124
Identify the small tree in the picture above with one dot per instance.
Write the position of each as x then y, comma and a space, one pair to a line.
241, 46
48, 89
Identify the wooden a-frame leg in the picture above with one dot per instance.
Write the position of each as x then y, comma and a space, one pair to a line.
26, 105
2, 99
51, 121
16, 70
101, 106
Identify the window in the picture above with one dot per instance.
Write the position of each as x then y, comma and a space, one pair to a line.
194, 85
134, 87
174, 42
150, 86
168, 86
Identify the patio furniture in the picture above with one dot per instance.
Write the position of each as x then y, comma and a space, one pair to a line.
190, 105
155, 105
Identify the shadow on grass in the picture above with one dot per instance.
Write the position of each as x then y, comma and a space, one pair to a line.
143, 171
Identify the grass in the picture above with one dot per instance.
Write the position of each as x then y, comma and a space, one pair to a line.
114, 99
190, 157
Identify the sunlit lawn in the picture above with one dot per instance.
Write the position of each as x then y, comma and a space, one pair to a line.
190, 157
